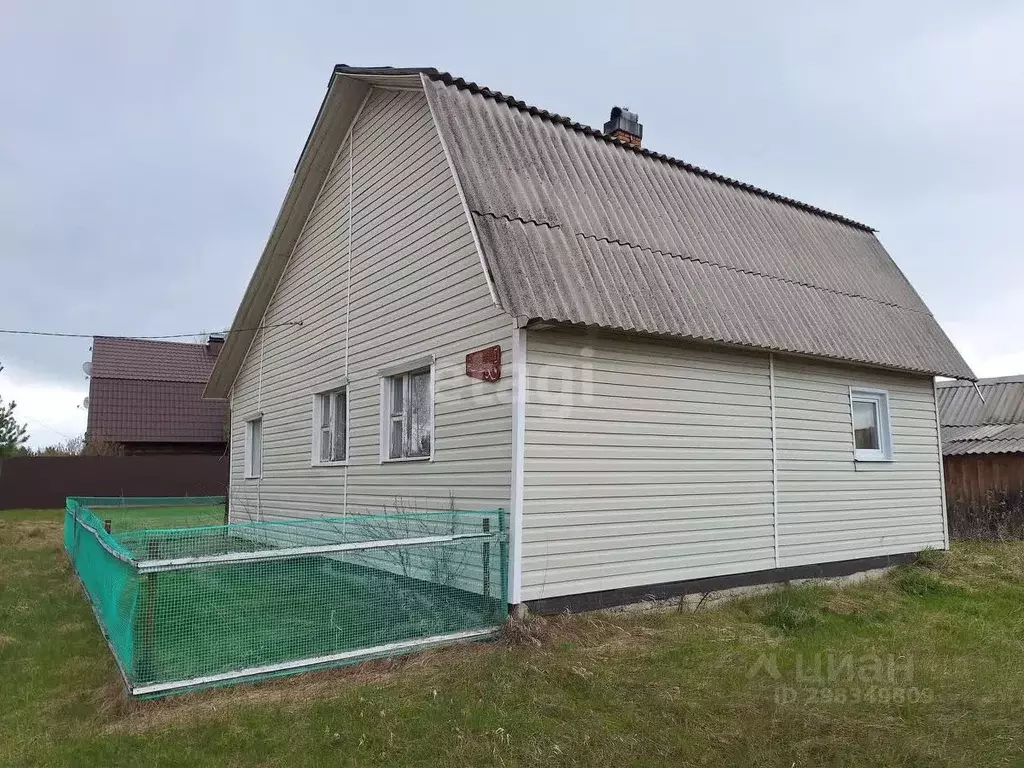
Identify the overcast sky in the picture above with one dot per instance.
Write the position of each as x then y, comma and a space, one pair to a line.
144, 151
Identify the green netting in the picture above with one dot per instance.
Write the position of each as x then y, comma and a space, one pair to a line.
187, 601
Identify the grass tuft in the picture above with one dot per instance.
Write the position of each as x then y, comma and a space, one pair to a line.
792, 609
918, 582
933, 559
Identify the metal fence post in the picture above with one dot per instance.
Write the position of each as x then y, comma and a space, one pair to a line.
487, 559
503, 550
144, 649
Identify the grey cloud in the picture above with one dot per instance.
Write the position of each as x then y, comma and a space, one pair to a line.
144, 149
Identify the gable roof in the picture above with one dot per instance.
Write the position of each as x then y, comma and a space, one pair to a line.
577, 227
151, 391
971, 425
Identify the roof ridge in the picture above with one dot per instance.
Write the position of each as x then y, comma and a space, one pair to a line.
458, 82
152, 341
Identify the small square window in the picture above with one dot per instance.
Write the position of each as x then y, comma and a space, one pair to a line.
408, 414
872, 437
330, 445
254, 448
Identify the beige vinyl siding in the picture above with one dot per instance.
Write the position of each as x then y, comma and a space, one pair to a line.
649, 462
833, 508
645, 462
417, 289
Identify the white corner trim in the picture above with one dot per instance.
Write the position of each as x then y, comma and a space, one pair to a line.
462, 194
518, 462
942, 467
775, 457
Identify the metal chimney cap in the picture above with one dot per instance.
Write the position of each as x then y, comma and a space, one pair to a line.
623, 120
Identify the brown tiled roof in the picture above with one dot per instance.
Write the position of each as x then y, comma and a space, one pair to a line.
151, 391
144, 359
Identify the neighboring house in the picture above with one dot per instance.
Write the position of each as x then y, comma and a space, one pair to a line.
146, 397
982, 438
700, 380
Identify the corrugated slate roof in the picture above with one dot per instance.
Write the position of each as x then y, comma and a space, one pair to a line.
971, 425
151, 391
580, 228
959, 404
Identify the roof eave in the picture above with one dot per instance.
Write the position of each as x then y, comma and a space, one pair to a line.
540, 324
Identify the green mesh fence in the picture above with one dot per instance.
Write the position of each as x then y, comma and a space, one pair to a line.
187, 601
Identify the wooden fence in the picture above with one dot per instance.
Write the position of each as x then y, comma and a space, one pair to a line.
977, 478
43, 482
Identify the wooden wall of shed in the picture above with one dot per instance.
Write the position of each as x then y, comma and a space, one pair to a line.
977, 478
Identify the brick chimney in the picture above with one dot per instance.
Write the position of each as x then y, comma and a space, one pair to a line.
624, 126
214, 343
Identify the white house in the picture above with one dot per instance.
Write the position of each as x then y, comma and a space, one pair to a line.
701, 383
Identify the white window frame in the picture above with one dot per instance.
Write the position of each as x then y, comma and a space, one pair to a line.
319, 400
879, 398
253, 472
386, 376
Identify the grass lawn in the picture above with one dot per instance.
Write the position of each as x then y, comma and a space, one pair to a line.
923, 668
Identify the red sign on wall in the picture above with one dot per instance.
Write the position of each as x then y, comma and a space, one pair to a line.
484, 364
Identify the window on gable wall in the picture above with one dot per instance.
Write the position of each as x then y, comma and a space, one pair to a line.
254, 448
872, 437
331, 439
408, 409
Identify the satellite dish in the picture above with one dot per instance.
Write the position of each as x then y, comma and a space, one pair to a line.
85, 403
87, 367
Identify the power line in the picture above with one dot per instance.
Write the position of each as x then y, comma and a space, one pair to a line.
62, 335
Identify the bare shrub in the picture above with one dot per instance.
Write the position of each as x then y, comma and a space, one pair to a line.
998, 517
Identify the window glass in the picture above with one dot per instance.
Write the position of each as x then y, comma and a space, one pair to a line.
865, 425
340, 426
872, 432
325, 444
255, 448
419, 415
397, 395
396, 439
331, 443
410, 415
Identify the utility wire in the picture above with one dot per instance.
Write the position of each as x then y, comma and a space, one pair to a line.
62, 335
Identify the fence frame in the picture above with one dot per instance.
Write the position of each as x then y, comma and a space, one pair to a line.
150, 565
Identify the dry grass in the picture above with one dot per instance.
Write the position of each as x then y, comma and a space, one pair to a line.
16, 534
285, 693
